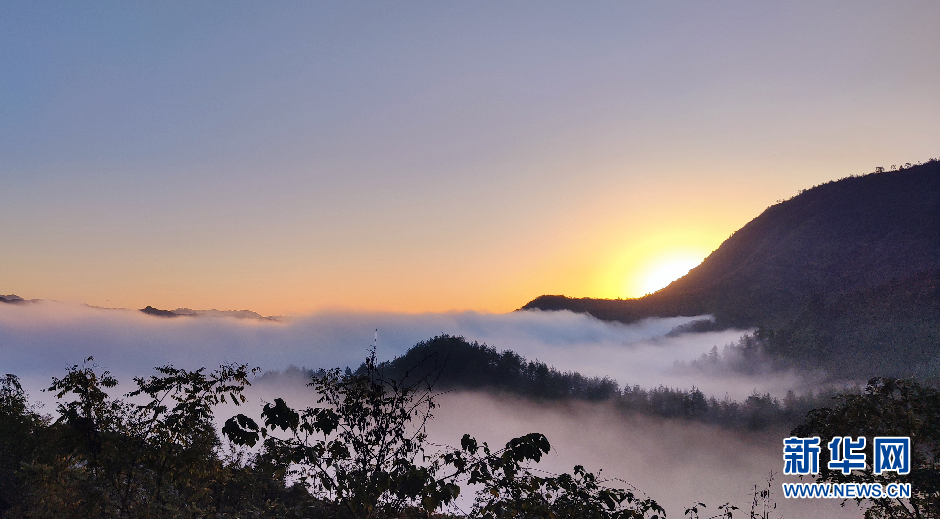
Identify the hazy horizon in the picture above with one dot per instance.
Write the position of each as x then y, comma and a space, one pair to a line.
45, 337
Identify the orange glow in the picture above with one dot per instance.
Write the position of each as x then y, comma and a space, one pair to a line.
652, 262
663, 271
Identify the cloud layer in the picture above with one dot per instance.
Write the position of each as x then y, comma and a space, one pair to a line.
41, 339
675, 462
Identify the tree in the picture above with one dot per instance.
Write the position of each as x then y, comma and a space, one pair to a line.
19, 424
364, 449
361, 453
361, 450
887, 407
582, 495
154, 456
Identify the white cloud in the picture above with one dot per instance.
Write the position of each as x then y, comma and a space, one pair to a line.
42, 339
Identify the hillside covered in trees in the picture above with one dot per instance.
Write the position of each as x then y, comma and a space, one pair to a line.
845, 275
455, 363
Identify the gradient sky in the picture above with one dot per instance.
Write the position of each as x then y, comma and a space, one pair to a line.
287, 157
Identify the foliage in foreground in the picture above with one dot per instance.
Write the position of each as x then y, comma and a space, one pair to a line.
363, 449
361, 454
152, 454
888, 407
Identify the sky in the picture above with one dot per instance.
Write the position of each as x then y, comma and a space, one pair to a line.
296, 157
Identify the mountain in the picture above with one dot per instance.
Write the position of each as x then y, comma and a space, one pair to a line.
448, 362
238, 314
14, 299
848, 268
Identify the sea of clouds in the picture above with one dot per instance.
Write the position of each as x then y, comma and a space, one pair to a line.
41, 339
676, 462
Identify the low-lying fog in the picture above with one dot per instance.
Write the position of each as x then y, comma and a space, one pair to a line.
41, 339
677, 463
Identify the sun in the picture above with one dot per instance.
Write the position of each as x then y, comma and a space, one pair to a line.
660, 274
650, 262
656, 271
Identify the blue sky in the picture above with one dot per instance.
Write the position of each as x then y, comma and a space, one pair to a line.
291, 157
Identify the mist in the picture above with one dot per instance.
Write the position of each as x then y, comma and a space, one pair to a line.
678, 463
41, 339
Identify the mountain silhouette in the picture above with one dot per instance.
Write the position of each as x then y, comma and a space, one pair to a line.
850, 267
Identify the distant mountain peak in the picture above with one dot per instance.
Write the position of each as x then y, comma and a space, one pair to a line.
15, 299
238, 314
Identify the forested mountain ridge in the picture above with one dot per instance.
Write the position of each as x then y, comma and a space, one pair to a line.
448, 362
850, 266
